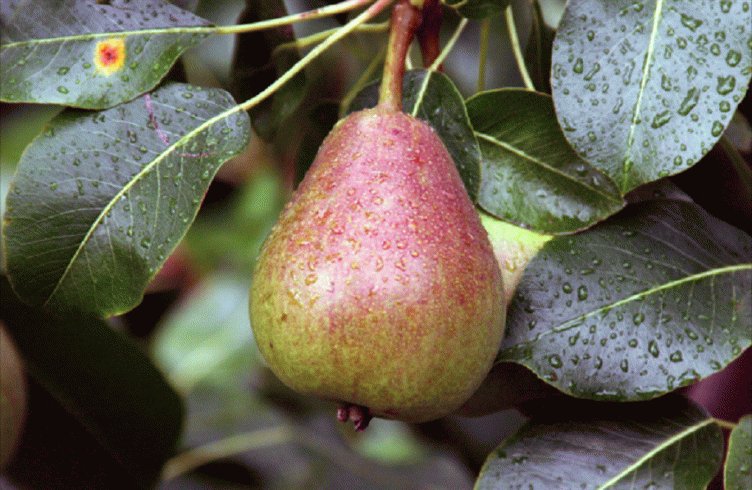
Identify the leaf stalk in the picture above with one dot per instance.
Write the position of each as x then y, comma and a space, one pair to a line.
514, 39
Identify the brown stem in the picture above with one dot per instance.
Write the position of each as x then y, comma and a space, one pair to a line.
428, 32
405, 20
360, 416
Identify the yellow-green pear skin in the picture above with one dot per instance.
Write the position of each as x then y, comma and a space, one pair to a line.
378, 286
514, 248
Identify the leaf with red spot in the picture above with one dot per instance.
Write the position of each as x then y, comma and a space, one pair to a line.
90, 55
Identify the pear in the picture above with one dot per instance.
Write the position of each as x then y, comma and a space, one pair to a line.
514, 247
508, 384
378, 287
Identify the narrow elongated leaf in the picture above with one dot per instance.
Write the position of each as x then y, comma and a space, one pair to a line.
90, 54
101, 199
644, 89
666, 444
432, 97
737, 473
102, 380
530, 174
655, 298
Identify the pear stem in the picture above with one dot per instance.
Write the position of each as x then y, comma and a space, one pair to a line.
360, 416
405, 20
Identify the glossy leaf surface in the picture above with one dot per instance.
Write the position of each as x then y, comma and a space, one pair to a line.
90, 54
737, 473
530, 175
658, 297
433, 97
100, 199
666, 444
644, 89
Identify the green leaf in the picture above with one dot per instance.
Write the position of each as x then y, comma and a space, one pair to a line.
530, 175
91, 55
737, 472
643, 90
663, 444
432, 97
100, 199
205, 337
232, 237
259, 61
478, 9
101, 379
655, 298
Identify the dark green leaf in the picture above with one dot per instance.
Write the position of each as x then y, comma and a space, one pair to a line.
90, 54
539, 50
260, 60
432, 97
101, 379
100, 199
530, 174
658, 297
479, 9
737, 473
666, 444
643, 90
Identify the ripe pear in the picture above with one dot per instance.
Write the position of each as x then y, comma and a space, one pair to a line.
378, 287
508, 384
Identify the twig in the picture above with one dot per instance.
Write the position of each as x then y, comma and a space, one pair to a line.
188, 461
515, 41
450, 44
343, 31
318, 13
485, 32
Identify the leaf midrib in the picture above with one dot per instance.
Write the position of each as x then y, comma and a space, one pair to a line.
676, 438
102, 35
541, 163
579, 320
147, 168
643, 83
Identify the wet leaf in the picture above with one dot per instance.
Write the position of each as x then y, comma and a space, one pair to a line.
479, 9
530, 175
658, 297
644, 89
663, 444
260, 58
103, 381
432, 97
91, 55
100, 199
737, 473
